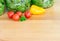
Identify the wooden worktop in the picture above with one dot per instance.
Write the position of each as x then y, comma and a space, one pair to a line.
38, 28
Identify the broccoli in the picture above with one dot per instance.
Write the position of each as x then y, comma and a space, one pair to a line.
1, 7
43, 3
18, 5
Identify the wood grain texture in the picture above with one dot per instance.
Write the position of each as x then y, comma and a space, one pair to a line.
37, 28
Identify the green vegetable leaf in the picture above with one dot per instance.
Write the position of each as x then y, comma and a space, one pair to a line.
23, 18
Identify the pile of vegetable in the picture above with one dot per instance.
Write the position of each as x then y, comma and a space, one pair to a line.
19, 15
24, 9
1, 7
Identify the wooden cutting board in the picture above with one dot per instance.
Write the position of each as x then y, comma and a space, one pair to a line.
38, 28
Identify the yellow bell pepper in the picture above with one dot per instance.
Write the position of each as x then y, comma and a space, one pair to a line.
36, 10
